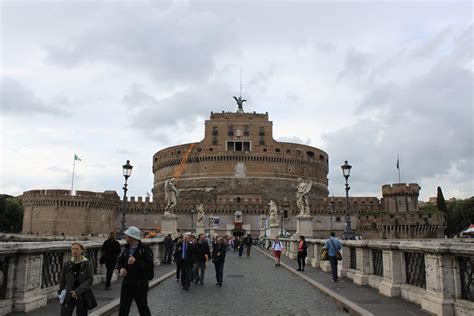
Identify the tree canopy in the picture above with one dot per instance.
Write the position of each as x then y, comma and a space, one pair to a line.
11, 214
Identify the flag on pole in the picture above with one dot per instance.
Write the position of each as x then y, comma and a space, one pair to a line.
398, 163
76, 157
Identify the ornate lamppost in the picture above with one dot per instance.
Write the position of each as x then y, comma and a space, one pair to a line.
127, 171
348, 233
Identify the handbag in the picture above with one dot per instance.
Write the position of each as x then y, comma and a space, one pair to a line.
324, 254
338, 253
102, 259
89, 297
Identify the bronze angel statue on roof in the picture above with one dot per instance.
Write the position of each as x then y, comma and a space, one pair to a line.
240, 103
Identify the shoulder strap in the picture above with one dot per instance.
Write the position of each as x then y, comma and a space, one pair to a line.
333, 244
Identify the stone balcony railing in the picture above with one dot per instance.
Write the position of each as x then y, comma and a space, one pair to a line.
436, 274
30, 271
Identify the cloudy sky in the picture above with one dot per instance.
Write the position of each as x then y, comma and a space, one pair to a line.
118, 80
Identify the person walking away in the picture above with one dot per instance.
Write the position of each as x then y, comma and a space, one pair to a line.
277, 249
241, 246
201, 257
218, 257
168, 241
333, 245
187, 260
135, 265
177, 255
76, 279
302, 253
248, 244
110, 251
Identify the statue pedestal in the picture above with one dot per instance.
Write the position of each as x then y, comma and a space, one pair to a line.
274, 231
169, 225
200, 229
304, 225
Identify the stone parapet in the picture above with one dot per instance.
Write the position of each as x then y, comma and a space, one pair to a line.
31, 270
427, 272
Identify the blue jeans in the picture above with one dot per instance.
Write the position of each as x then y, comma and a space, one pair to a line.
333, 261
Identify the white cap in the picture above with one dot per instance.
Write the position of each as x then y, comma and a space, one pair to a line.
133, 232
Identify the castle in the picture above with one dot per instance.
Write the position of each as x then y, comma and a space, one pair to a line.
235, 171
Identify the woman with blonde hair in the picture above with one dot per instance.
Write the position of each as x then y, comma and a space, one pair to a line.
277, 249
76, 280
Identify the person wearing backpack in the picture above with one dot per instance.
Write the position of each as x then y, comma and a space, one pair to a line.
333, 245
277, 249
136, 266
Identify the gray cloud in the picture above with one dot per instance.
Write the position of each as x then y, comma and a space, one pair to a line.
427, 119
169, 44
17, 99
159, 117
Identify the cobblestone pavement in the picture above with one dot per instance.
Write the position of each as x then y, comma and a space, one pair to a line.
252, 286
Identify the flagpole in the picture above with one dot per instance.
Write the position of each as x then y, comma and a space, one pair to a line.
73, 169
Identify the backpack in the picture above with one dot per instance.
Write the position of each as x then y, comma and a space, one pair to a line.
146, 251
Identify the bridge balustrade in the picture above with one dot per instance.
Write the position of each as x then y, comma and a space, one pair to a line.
436, 274
30, 271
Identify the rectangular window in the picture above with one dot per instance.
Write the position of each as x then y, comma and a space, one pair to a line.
238, 146
246, 146
230, 146
261, 140
261, 131
214, 140
214, 131
230, 132
246, 131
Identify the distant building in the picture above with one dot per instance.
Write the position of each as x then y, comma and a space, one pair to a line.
235, 170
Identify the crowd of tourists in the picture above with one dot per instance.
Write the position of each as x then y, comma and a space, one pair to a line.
134, 264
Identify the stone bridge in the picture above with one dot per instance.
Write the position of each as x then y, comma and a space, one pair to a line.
378, 276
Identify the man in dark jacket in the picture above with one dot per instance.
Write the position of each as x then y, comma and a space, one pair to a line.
135, 265
168, 249
201, 257
187, 259
248, 244
110, 251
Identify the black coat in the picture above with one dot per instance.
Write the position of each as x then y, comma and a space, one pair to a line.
67, 279
189, 257
137, 273
218, 253
201, 249
110, 250
168, 242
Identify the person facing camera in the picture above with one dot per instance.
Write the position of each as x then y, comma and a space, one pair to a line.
135, 265
76, 281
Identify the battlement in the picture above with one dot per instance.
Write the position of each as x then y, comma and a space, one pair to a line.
138, 199
52, 194
239, 116
400, 189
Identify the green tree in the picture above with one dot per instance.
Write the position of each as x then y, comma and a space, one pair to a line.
11, 214
461, 215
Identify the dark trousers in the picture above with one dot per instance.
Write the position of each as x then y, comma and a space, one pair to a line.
199, 270
68, 307
241, 250
248, 250
178, 270
333, 261
137, 293
301, 260
168, 254
186, 271
110, 265
219, 271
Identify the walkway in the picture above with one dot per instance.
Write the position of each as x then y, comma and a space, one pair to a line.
252, 286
